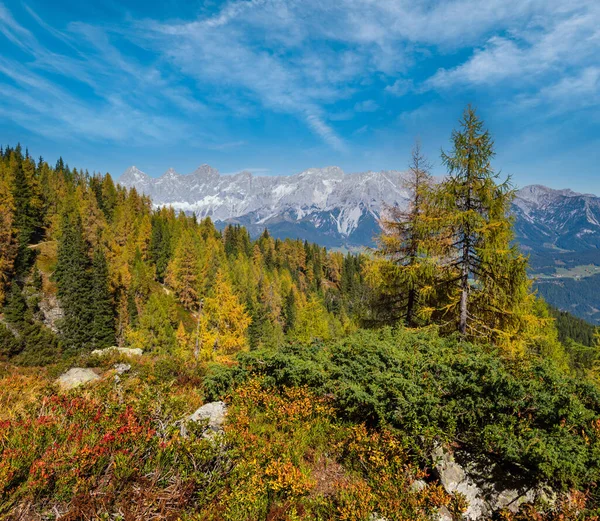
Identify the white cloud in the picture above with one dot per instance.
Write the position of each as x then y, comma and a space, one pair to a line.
299, 57
366, 106
548, 51
400, 87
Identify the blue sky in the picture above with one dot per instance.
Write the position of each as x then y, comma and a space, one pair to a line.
277, 86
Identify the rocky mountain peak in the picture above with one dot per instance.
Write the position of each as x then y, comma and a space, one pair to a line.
205, 171
133, 175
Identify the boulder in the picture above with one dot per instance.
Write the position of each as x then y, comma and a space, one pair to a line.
127, 351
122, 368
454, 478
77, 376
214, 412
483, 489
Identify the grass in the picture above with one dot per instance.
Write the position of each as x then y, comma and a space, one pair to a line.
576, 272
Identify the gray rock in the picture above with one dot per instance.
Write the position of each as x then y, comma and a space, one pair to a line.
214, 412
454, 479
417, 485
481, 487
51, 312
512, 499
77, 376
122, 368
127, 351
444, 515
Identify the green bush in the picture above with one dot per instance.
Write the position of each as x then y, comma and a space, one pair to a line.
531, 419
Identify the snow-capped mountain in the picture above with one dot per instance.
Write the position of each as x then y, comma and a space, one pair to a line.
319, 204
327, 206
547, 219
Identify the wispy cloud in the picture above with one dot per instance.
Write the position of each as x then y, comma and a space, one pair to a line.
147, 81
546, 59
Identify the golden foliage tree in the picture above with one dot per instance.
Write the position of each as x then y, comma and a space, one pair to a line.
224, 321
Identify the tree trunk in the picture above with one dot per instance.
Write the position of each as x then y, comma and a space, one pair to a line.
464, 287
410, 307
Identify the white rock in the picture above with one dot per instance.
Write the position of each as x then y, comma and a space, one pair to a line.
122, 368
455, 480
77, 376
127, 351
214, 412
444, 515
417, 485
484, 495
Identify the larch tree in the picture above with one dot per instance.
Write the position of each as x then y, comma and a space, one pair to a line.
183, 273
488, 292
403, 272
224, 321
8, 242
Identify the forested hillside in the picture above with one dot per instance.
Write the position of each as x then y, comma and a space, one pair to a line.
126, 275
347, 378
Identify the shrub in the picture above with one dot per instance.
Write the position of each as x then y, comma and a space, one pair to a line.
527, 417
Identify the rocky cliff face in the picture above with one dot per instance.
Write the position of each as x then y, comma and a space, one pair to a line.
320, 204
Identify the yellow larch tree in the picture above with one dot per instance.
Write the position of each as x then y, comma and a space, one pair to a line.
224, 321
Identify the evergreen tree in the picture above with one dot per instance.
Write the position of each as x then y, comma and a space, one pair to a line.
26, 217
103, 320
15, 308
290, 311
160, 246
74, 282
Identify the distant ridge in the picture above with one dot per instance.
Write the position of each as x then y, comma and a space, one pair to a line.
327, 206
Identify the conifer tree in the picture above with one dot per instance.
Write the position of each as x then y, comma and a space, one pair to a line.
311, 321
406, 242
26, 217
15, 309
224, 321
8, 243
183, 273
486, 285
103, 320
74, 283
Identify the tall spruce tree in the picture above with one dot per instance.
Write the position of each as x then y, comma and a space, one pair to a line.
26, 216
487, 289
74, 282
103, 320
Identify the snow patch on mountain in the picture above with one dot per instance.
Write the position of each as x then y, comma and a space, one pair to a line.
328, 206
345, 198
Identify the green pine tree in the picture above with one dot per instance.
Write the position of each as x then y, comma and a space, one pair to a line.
103, 320
74, 282
15, 307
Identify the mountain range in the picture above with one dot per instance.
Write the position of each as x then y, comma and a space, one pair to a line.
335, 209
